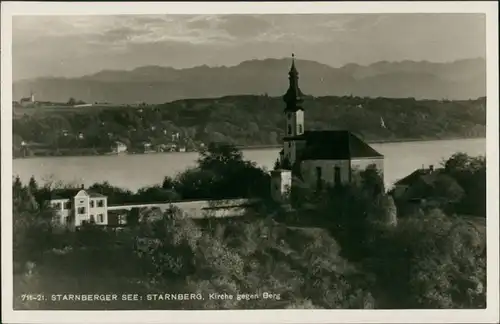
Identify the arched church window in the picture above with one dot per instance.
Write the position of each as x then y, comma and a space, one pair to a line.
300, 128
289, 144
289, 130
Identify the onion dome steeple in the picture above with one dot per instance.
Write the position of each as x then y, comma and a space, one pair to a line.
293, 97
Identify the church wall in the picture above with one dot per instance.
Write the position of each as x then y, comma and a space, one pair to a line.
308, 171
299, 122
281, 181
362, 164
296, 122
289, 152
291, 149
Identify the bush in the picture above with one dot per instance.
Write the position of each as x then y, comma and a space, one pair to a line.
431, 262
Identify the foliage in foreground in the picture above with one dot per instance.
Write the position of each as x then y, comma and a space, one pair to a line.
428, 259
351, 251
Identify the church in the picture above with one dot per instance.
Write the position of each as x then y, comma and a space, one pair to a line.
319, 158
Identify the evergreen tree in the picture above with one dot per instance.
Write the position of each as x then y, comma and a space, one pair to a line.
33, 185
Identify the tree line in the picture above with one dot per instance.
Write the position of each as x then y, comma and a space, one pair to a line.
239, 120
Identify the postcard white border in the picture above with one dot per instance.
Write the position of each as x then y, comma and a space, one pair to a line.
489, 315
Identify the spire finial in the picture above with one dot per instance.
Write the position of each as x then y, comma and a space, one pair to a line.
292, 68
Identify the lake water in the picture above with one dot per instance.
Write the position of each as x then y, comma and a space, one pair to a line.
136, 171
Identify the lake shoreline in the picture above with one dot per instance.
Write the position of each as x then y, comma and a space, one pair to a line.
135, 171
252, 147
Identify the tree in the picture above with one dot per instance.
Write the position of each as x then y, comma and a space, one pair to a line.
33, 185
433, 261
372, 180
222, 173
168, 183
273, 137
17, 186
446, 190
71, 101
253, 128
457, 162
133, 217
286, 165
470, 174
235, 120
218, 156
156, 194
195, 183
277, 165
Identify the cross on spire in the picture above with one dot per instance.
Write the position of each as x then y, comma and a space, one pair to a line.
293, 70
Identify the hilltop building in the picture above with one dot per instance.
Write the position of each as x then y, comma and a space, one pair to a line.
28, 100
77, 208
317, 157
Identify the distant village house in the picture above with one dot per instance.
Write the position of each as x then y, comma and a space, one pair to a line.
119, 147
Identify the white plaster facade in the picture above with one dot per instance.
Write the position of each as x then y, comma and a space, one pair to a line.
332, 171
120, 147
294, 127
63, 210
325, 170
295, 123
363, 163
281, 183
83, 207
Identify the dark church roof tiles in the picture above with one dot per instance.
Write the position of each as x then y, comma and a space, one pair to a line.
335, 145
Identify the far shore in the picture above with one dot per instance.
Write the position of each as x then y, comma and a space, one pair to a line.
253, 147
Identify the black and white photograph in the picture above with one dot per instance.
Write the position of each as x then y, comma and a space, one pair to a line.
281, 158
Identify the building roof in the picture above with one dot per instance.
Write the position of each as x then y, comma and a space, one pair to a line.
64, 193
426, 175
294, 96
411, 178
95, 195
335, 145
71, 193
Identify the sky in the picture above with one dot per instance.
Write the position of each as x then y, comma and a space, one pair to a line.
70, 46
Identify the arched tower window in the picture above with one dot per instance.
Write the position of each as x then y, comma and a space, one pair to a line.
289, 129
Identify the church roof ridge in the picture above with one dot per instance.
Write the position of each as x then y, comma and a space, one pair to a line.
335, 145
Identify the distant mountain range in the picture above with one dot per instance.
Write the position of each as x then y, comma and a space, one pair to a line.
461, 79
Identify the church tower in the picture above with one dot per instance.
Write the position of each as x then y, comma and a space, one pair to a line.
294, 115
